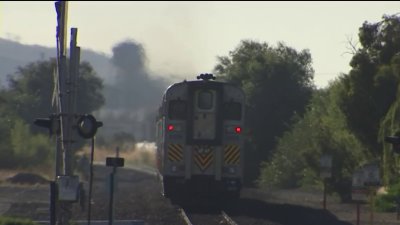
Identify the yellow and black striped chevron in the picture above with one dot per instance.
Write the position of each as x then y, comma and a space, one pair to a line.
231, 154
203, 156
175, 152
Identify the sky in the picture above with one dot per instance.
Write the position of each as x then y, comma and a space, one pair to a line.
185, 38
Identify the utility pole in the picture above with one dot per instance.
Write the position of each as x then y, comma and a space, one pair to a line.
65, 190
66, 183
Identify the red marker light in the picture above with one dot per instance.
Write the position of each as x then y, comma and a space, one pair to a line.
170, 127
238, 130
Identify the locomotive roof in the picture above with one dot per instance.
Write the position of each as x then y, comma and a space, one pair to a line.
202, 78
199, 81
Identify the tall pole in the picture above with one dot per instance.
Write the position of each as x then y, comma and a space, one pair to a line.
60, 31
67, 77
63, 214
324, 199
112, 182
90, 182
62, 110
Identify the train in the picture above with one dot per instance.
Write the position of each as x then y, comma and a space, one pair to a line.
200, 139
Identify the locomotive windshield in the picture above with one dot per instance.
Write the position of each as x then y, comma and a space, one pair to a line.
205, 100
205, 115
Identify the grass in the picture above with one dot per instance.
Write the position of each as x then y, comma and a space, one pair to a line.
15, 221
387, 202
141, 154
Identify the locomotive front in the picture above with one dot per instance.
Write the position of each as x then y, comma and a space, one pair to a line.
200, 140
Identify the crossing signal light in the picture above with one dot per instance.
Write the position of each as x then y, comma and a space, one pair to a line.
87, 126
52, 123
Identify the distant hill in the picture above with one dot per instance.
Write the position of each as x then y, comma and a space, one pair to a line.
14, 54
129, 90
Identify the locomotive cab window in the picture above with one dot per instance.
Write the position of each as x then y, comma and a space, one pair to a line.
177, 110
232, 111
205, 100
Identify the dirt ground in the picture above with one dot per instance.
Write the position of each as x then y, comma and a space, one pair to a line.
314, 198
143, 202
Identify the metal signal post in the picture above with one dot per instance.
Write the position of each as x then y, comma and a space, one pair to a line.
65, 123
67, 185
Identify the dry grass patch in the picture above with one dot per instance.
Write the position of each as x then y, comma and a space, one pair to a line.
141, 154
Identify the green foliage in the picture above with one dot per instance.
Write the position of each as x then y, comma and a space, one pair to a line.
16, 221
372, 83
90, 89
348, 120
19, 147
322, 130
381, 40
384, 49
285, 168
390, 124
6, 123
29, 149
19, 135
31, 91
277, 82
30, 95
387, 202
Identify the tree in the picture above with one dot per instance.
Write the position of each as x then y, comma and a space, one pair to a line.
371, 84
348, 119
7, 119
322, 130
29, 96
29, 149
369, 98
277, 82
31, 90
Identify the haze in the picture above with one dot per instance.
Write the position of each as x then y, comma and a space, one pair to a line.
184, 38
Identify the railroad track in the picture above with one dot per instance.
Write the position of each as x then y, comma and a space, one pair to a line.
220, 218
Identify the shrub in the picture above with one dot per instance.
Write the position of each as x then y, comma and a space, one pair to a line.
387, 202
15, 221
29, 150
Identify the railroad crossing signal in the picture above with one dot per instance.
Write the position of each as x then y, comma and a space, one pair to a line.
87, 126
52, 123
